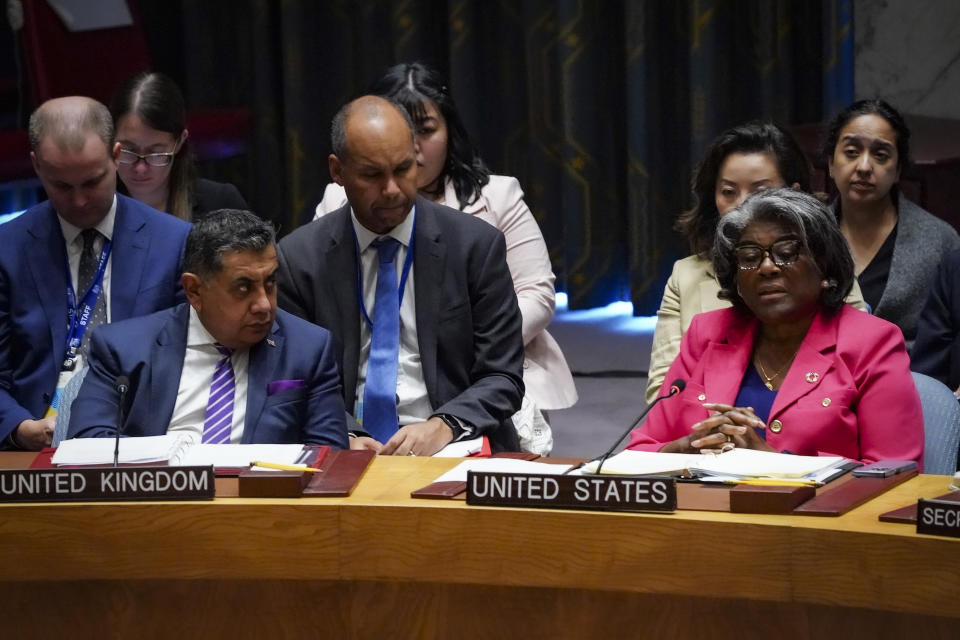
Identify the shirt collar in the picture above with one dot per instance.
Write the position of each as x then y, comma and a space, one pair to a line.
197, 334
105, 226
400, 233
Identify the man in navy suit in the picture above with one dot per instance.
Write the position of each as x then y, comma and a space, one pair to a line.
45, 317
228, 366
459, 362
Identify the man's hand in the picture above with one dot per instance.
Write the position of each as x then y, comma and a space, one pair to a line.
419, 439
34, 435
363, 442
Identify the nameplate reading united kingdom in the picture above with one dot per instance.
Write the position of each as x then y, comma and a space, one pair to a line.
939, 518
605, 493
106, 484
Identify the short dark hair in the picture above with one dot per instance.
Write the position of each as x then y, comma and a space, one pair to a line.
158, 102
221, 231
338, 127
410, 85
796, 210
699, 223
872, 107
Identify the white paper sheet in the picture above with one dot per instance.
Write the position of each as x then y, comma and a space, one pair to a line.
145, 450
739, 463
499, 465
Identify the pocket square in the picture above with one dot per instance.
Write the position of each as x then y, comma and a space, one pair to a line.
283, 385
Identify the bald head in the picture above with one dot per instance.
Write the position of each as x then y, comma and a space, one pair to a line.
364, 112
67, 122
375, 161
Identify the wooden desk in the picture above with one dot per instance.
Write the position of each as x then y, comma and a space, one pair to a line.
382, 564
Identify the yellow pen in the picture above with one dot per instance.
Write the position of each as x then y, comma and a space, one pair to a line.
774, 482
284, 467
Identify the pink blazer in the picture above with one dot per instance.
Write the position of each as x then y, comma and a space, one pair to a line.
848, 392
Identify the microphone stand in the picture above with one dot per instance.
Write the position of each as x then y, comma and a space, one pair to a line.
675, 388
121, 386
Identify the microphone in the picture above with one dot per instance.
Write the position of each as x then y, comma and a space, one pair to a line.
121, 385
676, 387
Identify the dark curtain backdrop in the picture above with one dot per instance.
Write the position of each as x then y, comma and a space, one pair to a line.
600, 108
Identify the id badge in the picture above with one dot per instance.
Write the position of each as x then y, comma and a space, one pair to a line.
67, 371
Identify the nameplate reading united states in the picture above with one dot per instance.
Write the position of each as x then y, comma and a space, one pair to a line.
606, 493
939, 518
106, 484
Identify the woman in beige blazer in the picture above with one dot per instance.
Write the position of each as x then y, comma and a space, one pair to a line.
741, 160
452, 173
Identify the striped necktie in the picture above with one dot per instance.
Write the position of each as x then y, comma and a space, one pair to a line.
218, 422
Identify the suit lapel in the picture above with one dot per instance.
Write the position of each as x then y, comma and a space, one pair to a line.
723, 357
167, 366
810, 366
264, 358
429, 263
50, 277
340, 275
128, 257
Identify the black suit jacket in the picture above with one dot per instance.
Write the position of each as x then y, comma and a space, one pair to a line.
468, 321
936, 351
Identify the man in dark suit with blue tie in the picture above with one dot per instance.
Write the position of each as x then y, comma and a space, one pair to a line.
417, 295
84, 257
227, 367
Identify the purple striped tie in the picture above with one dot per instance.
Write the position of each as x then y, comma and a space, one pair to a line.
218, 421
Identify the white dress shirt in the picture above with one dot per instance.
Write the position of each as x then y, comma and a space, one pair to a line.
413, 401
200, 359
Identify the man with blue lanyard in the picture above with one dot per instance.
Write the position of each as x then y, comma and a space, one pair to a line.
417, 295
84, 257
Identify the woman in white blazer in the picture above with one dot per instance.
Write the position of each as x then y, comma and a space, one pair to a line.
741, 160
451, 172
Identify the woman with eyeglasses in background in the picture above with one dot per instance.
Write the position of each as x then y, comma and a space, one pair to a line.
155, 164
789, 367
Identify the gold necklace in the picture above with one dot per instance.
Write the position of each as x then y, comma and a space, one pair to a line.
768, 380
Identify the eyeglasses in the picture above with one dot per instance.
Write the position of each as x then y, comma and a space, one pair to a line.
152, 159
782, 252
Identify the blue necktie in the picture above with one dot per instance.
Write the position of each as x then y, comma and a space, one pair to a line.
380, 391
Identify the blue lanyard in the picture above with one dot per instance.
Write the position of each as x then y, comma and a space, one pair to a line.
79, 315
407, 262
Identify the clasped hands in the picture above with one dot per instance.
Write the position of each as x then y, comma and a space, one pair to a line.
726, 427
417, 439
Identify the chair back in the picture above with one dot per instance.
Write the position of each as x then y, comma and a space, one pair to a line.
85, 63
941, 425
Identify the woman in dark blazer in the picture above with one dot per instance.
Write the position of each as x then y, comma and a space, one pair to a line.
155, 164
896, 245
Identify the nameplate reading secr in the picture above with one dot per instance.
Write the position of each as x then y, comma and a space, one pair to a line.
606, 493
106, 484
938, 517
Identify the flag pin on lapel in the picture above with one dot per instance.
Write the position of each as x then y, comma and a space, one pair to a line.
271, 342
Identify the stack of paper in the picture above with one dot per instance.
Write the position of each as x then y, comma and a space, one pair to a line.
99, 451
239, 456
738, 463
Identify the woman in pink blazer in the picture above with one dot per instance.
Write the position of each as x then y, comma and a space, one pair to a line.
790, 367
451, 172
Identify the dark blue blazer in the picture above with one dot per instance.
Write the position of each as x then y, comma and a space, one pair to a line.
936, 351
307, 406
468, 321
145, 261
